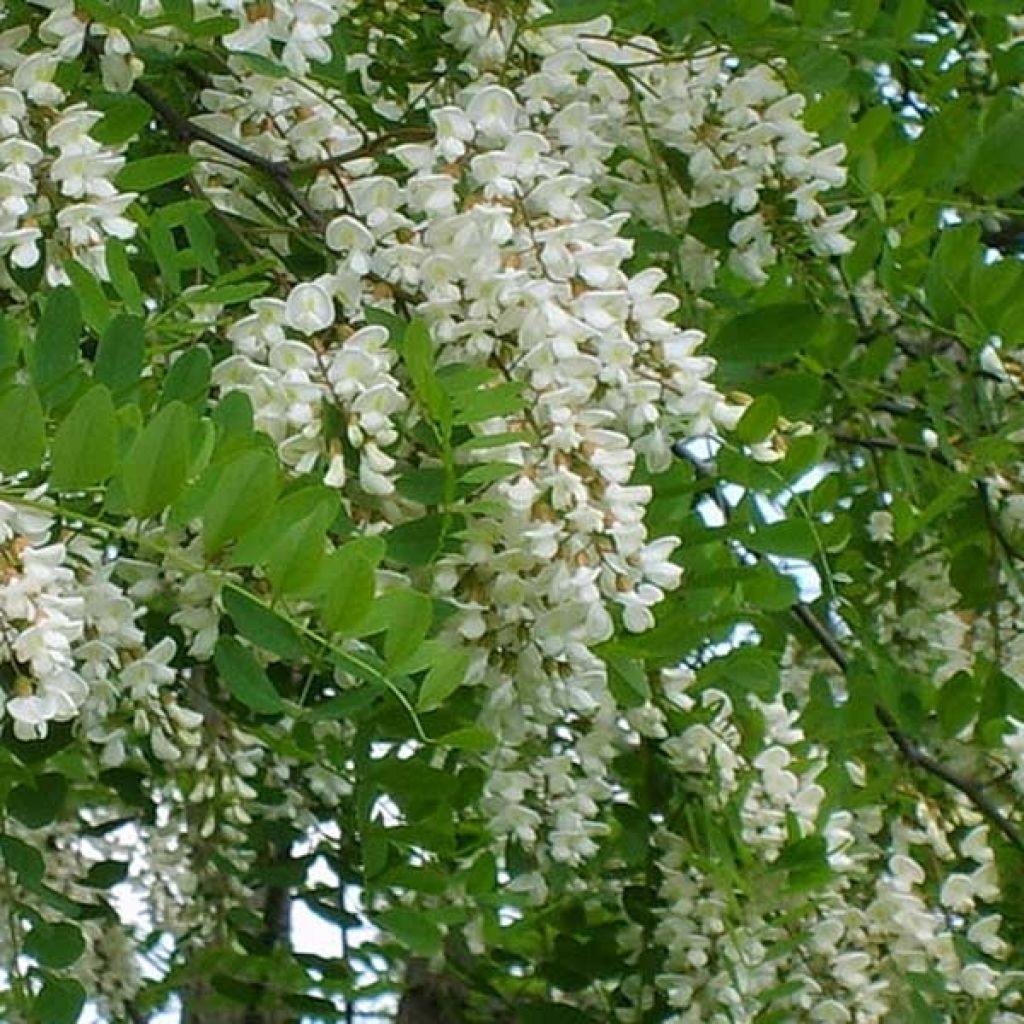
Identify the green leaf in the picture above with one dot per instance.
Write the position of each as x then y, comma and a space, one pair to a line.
123, 120
793, 538
294, 561
998, 167
416, 542
188, 379
409, 614
445, 676
85, 447
24, 860
264, 65
244, 677
246, 488
10, 343
806, 863
552, 1013
957, 703
153, 171
95, 307
908, 18
346, 587
22, 430
55, 356
771, 334
500, 400
472, 738
768, 589
627, 679
40, 802
156, 468
418, 355
55, 945
106, 874
414, 929
60, 1001
121, 355
254, 546
759, 419
262, 626
122, 279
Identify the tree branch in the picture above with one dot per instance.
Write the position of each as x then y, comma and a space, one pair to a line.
913, 754
188, 131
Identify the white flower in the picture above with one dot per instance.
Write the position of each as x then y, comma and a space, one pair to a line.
880, 526
978, 980
493, 110
309, 308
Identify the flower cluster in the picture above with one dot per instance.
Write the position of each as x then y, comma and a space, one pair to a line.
57, 185
494, 232
896, 896
73, 647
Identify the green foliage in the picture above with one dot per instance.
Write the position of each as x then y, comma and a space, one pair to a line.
846, 488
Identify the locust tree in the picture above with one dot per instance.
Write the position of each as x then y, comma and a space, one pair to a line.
535, 485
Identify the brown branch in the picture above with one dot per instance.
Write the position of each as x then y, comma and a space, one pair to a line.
970, 788
913, 754
413, 133
279, 171
892, 444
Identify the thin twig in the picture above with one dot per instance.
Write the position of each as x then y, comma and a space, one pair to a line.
892, 444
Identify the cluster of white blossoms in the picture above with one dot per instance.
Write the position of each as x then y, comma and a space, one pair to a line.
893, 896
290, 379
494, 232
738, 130
71, 640
58, 199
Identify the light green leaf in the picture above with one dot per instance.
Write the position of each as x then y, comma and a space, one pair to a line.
262, 626
22, 430
294, 560
120, 355
409, 614
444, 677
153, 171
155, 470
245, 678
246, 488
347, 583
255, 545
504, 399
85, 447
418, 354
